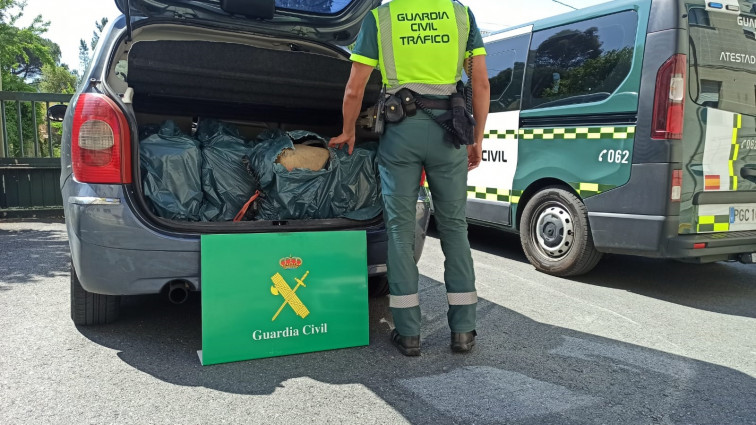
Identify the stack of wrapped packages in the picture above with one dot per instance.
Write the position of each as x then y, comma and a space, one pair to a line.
291, 175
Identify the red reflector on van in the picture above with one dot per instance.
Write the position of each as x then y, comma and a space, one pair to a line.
100, 141
699, 245
669, 99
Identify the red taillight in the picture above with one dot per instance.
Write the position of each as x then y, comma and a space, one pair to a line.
669, 99
100, 141
676, 192
699, 245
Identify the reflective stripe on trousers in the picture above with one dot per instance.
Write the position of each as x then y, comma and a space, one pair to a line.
462, 298
404, 301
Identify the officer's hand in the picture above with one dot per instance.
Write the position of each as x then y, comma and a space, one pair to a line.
341, 140
474, 155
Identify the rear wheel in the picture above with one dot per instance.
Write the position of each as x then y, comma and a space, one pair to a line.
88, 308
555, 233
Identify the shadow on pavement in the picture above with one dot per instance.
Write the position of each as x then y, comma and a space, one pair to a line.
492, 241
32, 254
521, 371
727, 288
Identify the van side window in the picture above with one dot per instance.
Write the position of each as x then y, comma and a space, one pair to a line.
698, 16
506, 68
580, 62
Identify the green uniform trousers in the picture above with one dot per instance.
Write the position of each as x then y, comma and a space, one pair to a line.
405, 149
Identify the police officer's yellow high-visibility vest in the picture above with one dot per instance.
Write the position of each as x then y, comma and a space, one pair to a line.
422, 44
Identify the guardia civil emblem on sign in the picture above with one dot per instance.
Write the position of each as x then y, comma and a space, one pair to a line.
282, 288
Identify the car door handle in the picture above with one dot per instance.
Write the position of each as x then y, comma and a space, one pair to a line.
749, 172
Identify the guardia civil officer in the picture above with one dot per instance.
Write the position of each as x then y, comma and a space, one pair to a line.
423, 46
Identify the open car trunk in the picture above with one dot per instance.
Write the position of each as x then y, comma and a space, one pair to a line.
246, 87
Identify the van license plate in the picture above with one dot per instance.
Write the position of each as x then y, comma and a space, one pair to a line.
742, 215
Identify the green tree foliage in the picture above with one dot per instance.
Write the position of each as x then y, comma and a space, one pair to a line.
29, 67
17, 47
21, 49
27, 121
25, 57
57, 79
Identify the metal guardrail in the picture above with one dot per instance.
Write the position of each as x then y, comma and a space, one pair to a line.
29, 166
36, 100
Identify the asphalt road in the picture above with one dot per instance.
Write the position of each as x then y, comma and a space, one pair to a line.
637, 341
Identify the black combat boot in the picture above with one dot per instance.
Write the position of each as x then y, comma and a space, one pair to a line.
462, 342
407, 345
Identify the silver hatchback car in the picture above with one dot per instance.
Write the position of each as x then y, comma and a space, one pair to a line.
259, 65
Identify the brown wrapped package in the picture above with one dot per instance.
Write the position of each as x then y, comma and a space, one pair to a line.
302, 156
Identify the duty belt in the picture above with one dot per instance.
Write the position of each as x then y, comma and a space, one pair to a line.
434, 103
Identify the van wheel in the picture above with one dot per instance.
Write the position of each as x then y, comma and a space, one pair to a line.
555, 234
88, 308
378, 286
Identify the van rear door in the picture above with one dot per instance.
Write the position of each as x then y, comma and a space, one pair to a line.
719, 141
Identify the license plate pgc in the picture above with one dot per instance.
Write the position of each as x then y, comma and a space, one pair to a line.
743, 215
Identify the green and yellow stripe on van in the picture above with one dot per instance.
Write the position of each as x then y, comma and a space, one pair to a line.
713, 223
494, 194
563, 133
734, 150
586, 190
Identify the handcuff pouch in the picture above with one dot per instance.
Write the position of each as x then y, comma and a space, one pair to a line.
394, 109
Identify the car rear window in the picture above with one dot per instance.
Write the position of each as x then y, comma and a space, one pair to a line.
327, 7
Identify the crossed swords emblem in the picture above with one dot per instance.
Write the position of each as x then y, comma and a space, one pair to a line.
281, 287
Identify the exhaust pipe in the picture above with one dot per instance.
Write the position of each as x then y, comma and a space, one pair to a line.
178, 291
747, 258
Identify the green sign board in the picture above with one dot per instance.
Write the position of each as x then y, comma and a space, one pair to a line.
274, 294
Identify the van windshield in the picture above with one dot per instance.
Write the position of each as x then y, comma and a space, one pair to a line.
316, 6
722, 59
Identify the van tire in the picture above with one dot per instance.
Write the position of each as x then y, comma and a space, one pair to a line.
378, 286
88, 308
564, 245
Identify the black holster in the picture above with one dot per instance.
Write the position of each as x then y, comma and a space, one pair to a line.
463, 122
458, 122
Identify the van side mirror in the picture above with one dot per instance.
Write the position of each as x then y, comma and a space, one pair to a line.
56, 113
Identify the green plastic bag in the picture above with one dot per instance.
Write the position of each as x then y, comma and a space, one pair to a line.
170, 163
348, 186
227, 180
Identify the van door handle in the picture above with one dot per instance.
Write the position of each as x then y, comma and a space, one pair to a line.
748, 172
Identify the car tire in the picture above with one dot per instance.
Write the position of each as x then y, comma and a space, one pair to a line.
88, 308
378, 286
556, 235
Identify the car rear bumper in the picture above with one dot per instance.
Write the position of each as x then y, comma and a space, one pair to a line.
115, 253
657, 236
